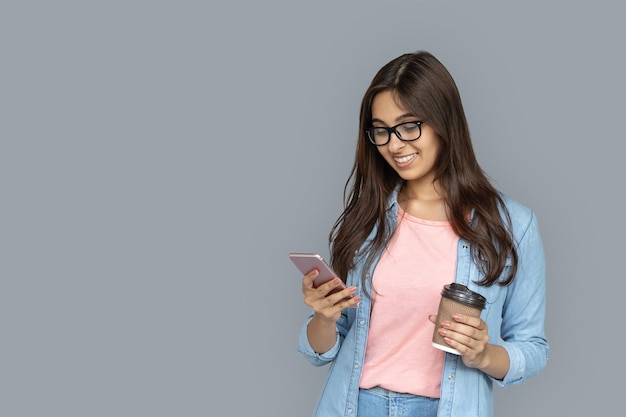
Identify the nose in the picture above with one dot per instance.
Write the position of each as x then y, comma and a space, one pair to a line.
395, 144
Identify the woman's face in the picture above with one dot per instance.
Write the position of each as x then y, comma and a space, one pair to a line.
414, 161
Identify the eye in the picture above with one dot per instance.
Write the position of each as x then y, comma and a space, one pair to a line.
380, 131
409, 127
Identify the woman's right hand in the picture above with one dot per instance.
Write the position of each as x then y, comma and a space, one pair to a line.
326, 304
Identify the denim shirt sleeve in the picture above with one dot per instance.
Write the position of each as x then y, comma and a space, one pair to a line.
320, 359
522, 330
305, 348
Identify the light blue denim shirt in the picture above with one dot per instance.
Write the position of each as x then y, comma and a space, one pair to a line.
515, 316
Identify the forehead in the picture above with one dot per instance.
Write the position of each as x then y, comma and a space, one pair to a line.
387, 107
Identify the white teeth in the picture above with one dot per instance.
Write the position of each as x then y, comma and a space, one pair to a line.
405, 158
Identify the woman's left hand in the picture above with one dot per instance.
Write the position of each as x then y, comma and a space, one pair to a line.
469, 335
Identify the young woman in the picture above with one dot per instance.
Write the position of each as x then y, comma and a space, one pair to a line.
420, 213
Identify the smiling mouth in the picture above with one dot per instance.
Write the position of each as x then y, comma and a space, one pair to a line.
404, 159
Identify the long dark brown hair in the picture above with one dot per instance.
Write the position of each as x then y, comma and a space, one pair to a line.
424, 86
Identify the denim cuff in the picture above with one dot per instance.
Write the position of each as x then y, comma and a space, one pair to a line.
305, 348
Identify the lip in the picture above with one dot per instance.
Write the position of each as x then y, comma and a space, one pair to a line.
404, 161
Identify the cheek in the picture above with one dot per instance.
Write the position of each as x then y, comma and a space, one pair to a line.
433, 151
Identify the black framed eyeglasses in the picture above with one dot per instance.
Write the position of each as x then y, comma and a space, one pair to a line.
406, 132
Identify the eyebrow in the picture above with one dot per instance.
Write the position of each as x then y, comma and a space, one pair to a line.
398, 119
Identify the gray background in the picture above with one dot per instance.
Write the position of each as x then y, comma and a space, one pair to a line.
158, 160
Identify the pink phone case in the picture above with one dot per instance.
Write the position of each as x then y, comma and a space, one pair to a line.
306, 262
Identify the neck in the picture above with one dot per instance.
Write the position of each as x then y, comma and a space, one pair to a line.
420, 191
423, 202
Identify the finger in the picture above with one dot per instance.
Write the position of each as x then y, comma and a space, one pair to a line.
347, 291
432, 319
461, 348
333, 304
475, 322
455, 339
467, 353
465, 335
307, 280
464, 330
458, 338
338, 297
327, 295
334, 285
350, 302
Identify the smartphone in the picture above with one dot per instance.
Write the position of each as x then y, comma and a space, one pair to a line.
306, 262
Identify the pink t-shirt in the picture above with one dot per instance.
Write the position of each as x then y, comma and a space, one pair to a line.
419, 260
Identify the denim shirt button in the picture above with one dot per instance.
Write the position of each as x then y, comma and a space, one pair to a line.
356, 366
361, 322
349, 410
450, 377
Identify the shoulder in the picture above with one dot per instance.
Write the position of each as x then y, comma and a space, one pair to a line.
521, 216
515, 208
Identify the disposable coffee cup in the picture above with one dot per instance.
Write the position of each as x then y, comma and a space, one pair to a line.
456, 299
